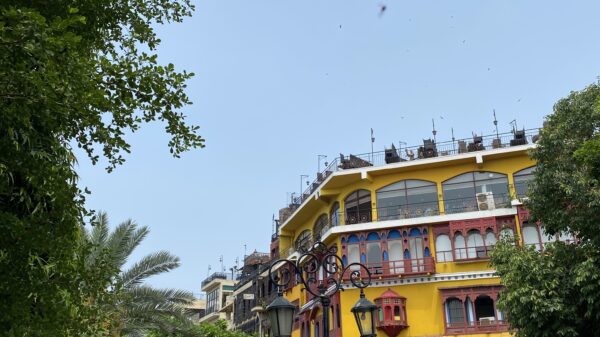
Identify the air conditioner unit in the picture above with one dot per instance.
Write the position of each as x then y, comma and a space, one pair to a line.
485, 201
487, 320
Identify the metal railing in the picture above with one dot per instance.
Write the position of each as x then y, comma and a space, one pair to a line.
441, 149
219, 275
481, 326
470, 204
408, 211
402, 267
465, 253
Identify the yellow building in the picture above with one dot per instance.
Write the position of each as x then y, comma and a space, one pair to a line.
423, 220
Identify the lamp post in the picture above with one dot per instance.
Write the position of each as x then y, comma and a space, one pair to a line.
322, 273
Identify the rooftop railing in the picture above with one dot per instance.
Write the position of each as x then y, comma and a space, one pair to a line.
429, 149
219, 275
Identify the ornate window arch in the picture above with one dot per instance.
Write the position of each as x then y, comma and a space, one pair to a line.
407, 199
460, 192
319, 227
358, 207
522, 178
303, 241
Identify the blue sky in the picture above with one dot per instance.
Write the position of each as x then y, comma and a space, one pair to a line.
278, 82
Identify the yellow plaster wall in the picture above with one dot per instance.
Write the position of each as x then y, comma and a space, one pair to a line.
437, 174
424, 309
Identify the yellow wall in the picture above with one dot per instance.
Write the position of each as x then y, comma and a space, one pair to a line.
424, 305
435, 174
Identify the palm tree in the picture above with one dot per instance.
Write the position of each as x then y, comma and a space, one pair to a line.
137, 308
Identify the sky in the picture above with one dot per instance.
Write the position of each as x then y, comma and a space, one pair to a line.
279, 82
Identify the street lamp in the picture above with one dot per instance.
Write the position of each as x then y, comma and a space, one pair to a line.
364, 313
281, 316
321, 272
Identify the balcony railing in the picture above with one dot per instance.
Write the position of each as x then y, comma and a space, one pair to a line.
470, 204
416, 266
219, 275
441, 149
481, 326
465, 254
408, 211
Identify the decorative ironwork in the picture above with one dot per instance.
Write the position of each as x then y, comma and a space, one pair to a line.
322, 273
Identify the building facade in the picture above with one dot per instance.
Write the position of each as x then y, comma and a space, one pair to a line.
218, 288
423, 221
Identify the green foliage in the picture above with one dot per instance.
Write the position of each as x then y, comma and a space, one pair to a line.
217, 329
557, 292
135, 308
79, 72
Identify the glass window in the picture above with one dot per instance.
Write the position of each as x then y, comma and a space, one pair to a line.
460, 251
490, 238
460, 192
396, 259
522, 179
302, 242
415, 243
455, 313
476, 248
320, 227
506, 233
358, 207
484, 308
353, 255
531, 236
443, 248
407, 199
334, 214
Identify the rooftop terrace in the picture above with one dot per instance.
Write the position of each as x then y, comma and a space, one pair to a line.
429, 149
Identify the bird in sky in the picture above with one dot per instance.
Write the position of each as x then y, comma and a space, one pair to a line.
382, 8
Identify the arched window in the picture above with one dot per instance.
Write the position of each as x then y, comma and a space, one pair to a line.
358, 207
395, 252
334, 214
353, 250
443, 248
484, 308
506, 233
522, 179
320, 227
461, 191
407, 199
415, 243
460, 250
302, 242
455, 313
490, 238
374, 253
475, 245
531, 236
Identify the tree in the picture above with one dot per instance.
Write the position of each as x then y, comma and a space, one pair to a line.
557, 292
136, 308
217, 329
82, 73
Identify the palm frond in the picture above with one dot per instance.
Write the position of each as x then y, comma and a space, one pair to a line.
119, 240
149, 265
99, 233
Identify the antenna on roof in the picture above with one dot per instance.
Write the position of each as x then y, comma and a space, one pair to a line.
513, 123
222, 265
453, 139
433, 131
496, 124
208, 273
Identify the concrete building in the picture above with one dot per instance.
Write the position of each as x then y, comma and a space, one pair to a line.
423, 220
218, 288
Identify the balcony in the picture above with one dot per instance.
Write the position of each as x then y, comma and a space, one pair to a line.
414, 153
406, 267
217, 276
484, 325
465, 254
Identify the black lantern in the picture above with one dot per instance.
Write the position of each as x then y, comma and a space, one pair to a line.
364, 313
281, 316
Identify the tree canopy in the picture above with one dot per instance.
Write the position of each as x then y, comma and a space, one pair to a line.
72, 73
557, 292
